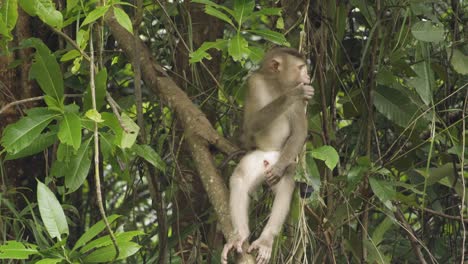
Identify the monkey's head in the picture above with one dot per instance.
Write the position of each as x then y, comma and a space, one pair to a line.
287, 66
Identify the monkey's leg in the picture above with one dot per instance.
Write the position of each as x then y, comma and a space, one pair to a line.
283, 194
248, 174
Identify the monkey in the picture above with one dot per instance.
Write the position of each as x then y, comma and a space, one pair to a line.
275, 130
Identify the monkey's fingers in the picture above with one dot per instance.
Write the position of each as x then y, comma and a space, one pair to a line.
224, 255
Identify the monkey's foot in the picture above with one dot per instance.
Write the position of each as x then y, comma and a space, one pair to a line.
263, 247
234, 244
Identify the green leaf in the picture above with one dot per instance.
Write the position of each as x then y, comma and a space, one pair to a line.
210, 3
46, 70
107, 254
459, 61
53, 104
256, 54
428, 32
95, 15
101, 88
127, 138
21, 134
51, 212
201, 53
106, 240
45, 10
327, 154
94, 115
49, 261
380, 230
272, 36
70, 130
40, 143
238, 48
93, 231
424, 82
4, 30
17, 250
210, 10
150, 155
395, 105
383, 190
78, 168
267, 12
123, 19
70, 55
9, 15
71, 4
243, 9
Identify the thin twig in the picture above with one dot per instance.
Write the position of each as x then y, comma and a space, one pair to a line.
72, 42
33, 99
452, 217
97, 179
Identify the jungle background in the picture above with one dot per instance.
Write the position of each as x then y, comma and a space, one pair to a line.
120, 125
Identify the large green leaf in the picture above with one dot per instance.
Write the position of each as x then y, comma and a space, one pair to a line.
21, 134
327, 154
243, 9
45, 10
106, 241
95, 15
383, 190
272, 36
107, 254
123, 19
40, 143
150, 155
238, 48
428, 31
101, 88
127, 137
46, 70
70, 130
8, 16
459, 61
51, 211
49, 261
395, 105
424, 82
212, 11
78, 167
211, 3
93, 231
17, 250
201, 53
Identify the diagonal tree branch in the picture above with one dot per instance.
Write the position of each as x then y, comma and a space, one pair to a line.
200, 134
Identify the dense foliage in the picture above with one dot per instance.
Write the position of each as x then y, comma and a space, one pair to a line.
124, 154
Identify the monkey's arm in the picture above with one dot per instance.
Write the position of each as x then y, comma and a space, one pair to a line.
259, 112
293, 145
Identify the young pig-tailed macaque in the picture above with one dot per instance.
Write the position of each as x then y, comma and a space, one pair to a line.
275, 129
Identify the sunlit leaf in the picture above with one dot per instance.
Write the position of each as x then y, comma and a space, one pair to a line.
272, 36
70, 130
95, 15
243, 9
106, 241
45, 10
17, 250
51, 211
238, 48
93, 231
8, 17
107, 254
123, 19
327, 154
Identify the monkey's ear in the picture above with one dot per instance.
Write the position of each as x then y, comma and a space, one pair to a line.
274, 65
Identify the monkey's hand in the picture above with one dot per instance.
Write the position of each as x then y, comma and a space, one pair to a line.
303, 91
234, 244
274, 173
